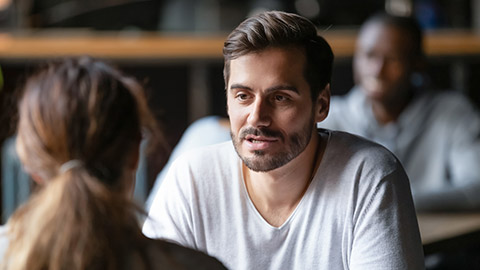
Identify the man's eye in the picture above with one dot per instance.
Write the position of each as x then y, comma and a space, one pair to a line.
242, 96
280, 98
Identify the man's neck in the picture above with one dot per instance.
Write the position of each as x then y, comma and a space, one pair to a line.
276, 193
389, 111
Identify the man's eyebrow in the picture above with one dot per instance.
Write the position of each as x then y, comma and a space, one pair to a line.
283, 87
239, 86
270, 89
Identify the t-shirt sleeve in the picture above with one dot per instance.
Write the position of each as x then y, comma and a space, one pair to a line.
386, 234
170, 216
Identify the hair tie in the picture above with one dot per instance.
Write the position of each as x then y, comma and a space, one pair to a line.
74, 163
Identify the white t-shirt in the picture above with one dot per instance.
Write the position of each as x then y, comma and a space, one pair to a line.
357, 212
204, 131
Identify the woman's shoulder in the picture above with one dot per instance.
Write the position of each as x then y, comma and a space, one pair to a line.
163, 253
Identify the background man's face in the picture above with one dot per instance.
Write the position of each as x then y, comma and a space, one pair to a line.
383, 62
270, 107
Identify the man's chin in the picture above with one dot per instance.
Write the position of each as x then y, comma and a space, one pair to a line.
260, 167
261, 162
374, 94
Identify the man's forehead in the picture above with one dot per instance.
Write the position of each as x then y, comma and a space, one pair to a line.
274, 54
281, 61
378, 35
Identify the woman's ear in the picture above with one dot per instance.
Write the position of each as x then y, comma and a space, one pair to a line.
134, 158
322, 105
37, 179
131, 169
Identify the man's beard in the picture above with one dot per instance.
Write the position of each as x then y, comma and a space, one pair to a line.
263, 162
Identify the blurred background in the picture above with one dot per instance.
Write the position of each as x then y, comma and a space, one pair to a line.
219, 15
174, 47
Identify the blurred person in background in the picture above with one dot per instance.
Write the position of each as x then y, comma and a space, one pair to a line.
80, 128
435, 134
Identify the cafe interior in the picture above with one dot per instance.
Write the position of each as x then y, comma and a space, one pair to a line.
174, 47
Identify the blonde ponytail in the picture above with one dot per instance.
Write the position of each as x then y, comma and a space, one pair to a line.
58, 227
69, 223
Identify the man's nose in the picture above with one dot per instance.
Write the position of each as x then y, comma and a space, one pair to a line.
260, 113
377, 66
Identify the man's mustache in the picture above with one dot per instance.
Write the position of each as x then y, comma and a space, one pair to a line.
265, 132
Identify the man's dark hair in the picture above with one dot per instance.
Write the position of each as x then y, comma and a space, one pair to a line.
281, 29
408, 25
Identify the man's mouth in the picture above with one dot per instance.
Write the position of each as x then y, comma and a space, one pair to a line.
259, 139
372, 84
259, 143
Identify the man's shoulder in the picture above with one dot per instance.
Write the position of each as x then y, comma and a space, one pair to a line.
351, 159
347, 112
447, 100
357, 148
218, 150
354, 142
352, 98
446, 107
207, 158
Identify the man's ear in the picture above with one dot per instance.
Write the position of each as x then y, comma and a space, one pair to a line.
322, 105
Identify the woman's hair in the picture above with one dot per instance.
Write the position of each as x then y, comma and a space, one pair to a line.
281, 29
87, 114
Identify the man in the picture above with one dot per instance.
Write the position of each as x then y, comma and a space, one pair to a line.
436, 135
285, 195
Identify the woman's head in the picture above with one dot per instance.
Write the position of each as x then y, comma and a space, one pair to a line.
85, 110
87, 115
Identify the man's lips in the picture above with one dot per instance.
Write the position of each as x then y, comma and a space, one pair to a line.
253, 138
372, 83
255, 143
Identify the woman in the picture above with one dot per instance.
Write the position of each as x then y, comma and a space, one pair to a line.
81, 123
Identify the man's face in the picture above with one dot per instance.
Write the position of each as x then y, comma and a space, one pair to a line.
383, 62
271, 112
